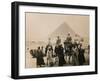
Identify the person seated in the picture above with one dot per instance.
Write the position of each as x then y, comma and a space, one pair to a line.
58, 41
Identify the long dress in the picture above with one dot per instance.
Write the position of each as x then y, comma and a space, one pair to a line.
75, 57
60, 54
81, 57
49, 58
40, 60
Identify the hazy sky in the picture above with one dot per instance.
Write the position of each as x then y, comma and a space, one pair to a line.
39, 26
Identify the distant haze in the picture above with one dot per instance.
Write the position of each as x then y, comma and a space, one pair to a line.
40, 26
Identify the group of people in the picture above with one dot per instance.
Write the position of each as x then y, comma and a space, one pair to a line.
68, 53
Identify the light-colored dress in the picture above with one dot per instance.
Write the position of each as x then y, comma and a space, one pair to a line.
49, 57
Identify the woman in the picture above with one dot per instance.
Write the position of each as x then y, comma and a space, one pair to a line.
81, 57
74, 56
39, 56
49, 57
60, 53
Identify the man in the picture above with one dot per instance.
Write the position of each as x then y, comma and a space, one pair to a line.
68, 47
76, 41
69, 38
58, 41
49, 45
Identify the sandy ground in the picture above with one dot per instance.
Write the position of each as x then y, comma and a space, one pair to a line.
31, 62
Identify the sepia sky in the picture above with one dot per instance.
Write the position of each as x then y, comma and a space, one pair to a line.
39, 26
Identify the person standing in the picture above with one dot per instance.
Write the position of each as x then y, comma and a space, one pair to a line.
60, 53
69, 47
49, 52
39, 57
49, 57
66, 49
81, 57
74, 56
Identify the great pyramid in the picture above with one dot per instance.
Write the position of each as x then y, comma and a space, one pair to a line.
62, 31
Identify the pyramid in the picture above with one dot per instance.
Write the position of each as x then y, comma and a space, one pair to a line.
63, 31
